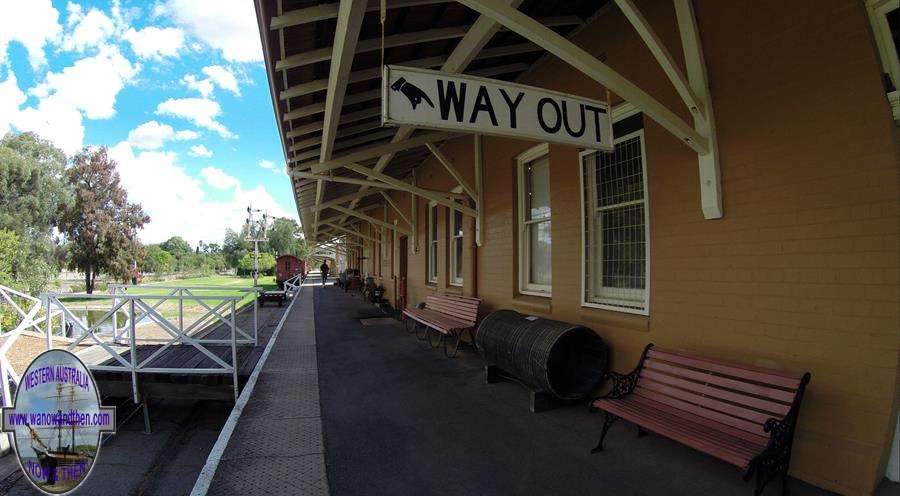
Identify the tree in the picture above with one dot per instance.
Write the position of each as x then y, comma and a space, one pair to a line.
157, 260
177, 246
266, 264
33, 185
284, 237
100, 225
234, 247
33, 188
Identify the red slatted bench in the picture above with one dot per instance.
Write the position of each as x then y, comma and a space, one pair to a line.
742, 414
449, 315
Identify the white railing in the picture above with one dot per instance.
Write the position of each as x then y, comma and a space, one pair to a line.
29, 321
293, 284
143, 307
121, 333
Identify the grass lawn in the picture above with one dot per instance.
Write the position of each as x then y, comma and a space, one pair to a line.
265, 282
192, 309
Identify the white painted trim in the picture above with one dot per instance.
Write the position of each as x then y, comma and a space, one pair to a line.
578, 58
448, 165
523, 252
201, 486
431, 266
584, 302
451, 238
663, 56
438, 197
878, 10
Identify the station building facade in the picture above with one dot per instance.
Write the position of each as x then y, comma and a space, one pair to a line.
801, 272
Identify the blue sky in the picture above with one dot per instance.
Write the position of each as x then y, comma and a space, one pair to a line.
175, 88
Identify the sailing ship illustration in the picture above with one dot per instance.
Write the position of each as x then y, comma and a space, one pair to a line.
67, 455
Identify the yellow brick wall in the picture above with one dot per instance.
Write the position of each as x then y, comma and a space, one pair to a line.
802, 272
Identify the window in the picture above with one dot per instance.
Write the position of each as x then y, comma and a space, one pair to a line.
616, 232
456, 248
385, 251
432, 243
534, 221
885, 17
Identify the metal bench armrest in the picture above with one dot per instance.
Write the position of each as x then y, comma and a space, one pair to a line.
775, 459
623, 384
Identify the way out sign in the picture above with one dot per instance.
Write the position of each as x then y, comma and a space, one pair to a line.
437, 100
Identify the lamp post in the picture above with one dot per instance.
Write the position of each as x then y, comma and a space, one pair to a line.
256, 232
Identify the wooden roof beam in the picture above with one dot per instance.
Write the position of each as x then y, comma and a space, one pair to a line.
532, 29
379, 150
425, 63
326, 11
403, 39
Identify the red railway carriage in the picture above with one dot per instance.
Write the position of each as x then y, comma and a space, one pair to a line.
288, 266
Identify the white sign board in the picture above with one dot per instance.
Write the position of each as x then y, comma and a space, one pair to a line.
324, 253
438, 100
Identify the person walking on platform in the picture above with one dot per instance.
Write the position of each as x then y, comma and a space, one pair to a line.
324, 269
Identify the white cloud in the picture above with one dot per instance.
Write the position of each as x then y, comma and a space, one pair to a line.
11, 98
200, 151
91, 84
168, 194
88, 88
223, 78
186, 135
86, 30
201, 111
155, 43
54, 120
152, 135
217, 76
269, 165
225, 25
219, 179
203, 86
32, 23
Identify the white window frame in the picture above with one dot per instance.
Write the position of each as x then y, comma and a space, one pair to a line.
432, 251
454, 239
584, 233
878, 10
522, 160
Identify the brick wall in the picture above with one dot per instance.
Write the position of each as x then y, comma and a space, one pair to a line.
802, 272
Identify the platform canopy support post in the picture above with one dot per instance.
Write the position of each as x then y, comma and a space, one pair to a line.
479, 190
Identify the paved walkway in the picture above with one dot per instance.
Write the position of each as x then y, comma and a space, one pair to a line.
276, 447
400, 418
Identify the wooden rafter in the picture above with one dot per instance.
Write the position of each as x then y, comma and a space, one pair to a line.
580, 59
452, 170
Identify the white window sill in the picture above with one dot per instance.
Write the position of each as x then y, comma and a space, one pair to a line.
613, 308
531, 292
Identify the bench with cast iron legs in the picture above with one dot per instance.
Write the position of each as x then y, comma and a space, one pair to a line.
449, 315
742, 414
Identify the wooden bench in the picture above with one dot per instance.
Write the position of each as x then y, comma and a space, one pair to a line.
742, 414
449, 315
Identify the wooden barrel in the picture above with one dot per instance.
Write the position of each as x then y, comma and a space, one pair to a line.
563, 359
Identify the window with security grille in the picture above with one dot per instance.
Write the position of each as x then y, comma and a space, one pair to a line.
616, 227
